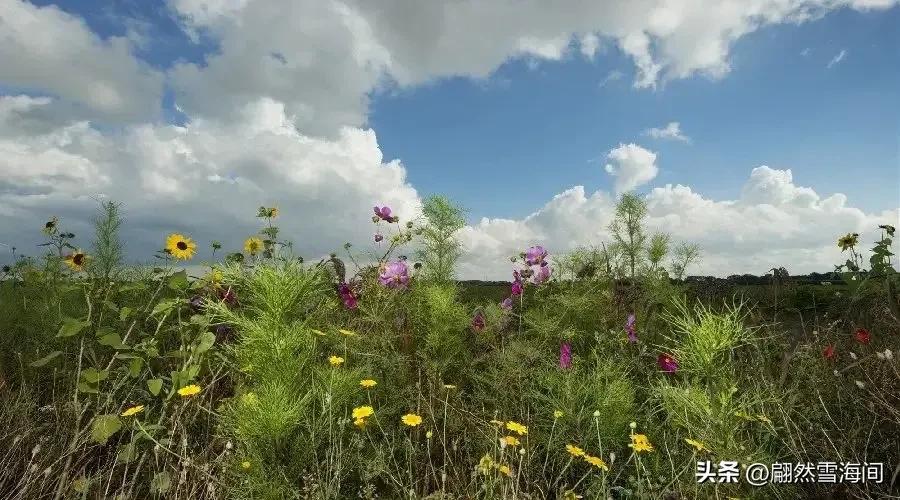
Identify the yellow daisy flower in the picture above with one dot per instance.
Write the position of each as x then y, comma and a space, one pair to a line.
76, 260
253, 245
504, 469
696, 444
368, 383
596, 462
181, 247
411, 419
517, 428
360, 422
189, 390
640, 442
134, 410
574, 450
558, 414
363, 412
336, 360
511, 441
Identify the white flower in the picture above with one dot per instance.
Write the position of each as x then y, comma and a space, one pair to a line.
633, 425
888, 355
612, 457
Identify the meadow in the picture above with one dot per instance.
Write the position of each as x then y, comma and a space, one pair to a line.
373, 373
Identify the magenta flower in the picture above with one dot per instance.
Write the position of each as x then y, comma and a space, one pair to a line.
516, 288
378, 237
667, 363
394, 275
384, 213
541, 274
565, 355
535, 255
347, 295
507, 304
478, 322
629, 327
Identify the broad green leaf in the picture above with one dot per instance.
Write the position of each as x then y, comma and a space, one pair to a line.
124, 313
161, 482
162, 307
46, 359
155, 385
178, 280
127, 453
134, 368
207, 339
104, 427
87, 388
111, 339
92, 375
71, 326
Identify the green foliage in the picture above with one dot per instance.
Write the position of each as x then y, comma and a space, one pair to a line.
439, 250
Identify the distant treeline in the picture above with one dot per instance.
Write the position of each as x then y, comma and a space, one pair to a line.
734, 279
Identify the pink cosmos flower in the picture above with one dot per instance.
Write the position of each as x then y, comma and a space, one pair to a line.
535, 255
394, 275
565, 355
516, 288
541, 274
629, 327
667, 363
507, 304
384, 213
347, 295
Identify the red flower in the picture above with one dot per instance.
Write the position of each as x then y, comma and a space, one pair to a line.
829, 353
862, 336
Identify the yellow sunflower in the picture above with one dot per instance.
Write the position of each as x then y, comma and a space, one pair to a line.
253, 245
849, 240
517, 428
640, 442
368, 383
134, 410
411, 419
181, 247
189, 390
76, 260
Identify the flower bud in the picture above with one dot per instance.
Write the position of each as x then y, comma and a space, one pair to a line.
633, 425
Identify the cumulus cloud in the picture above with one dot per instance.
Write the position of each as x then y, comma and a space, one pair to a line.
631, 166
773, 223
837, 59
51, 51
671, 131
205, 179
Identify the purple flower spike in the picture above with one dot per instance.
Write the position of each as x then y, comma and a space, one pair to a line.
384, 213
394, 275
535, 255
629, 327
667, 363
507, 304
565, 356
516, 288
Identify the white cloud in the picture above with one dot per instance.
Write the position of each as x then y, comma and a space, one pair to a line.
590, 44
805, 52
632, 166
837, 58
670, 131
610, 77
50, 51
774, 223
205, 179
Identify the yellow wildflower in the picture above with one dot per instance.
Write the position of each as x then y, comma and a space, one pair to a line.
134, 410
640, 442
189, 390
485, 464
181, 247
596, 462
368, 383
411, 419
574, 450
504, 469
363, 412
253, 245
76, 260
360, 422
245, 464
517, 428
336, 360
558, 414
696, 444
511, 441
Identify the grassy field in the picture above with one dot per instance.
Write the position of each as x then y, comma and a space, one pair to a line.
590, 375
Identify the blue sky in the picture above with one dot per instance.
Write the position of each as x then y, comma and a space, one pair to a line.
524, 135
212, 108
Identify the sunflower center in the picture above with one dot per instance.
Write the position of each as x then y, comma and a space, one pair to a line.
181, 245
78, 259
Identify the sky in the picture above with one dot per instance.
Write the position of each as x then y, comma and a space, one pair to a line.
759, 129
